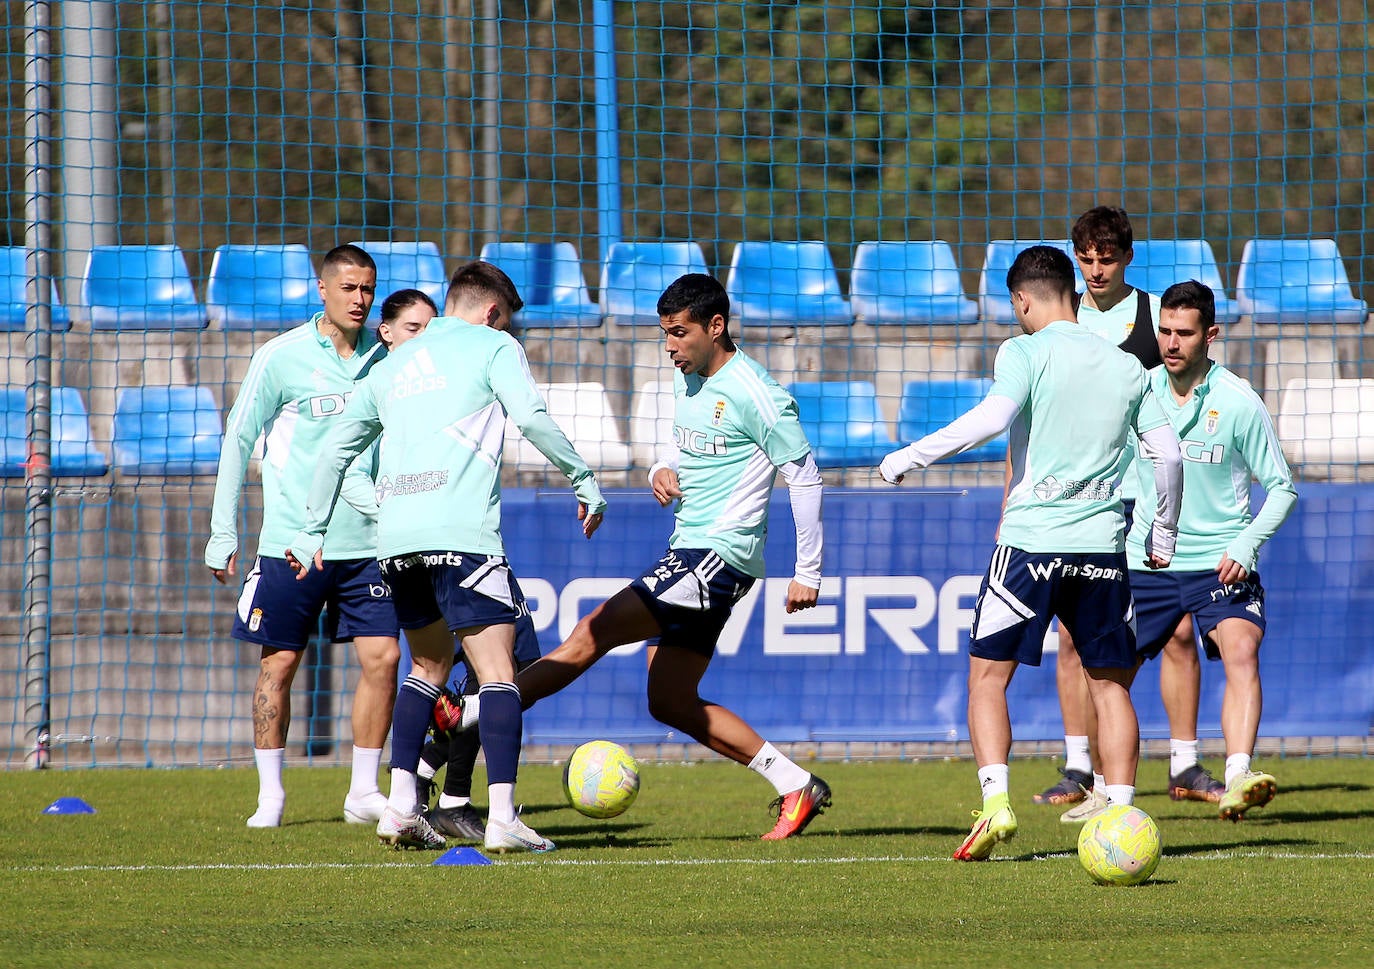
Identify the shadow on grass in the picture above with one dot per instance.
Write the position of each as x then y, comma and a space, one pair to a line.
576, 833
1270, 816
1334, 786
1206, 847
886, 831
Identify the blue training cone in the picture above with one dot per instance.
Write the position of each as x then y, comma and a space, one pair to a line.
462, 856
69, 805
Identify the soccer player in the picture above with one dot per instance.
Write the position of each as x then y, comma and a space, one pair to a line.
405, 315
1212, 583
1069, 399
439, 404
1104, 245
735, 428
294, 390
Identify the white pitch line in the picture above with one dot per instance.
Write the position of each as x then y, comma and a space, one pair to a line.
686, 862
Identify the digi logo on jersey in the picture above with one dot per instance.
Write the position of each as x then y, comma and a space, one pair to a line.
698, 442
327, 405
418, 376
1203, 453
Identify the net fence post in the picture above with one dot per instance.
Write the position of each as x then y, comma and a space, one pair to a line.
36, 621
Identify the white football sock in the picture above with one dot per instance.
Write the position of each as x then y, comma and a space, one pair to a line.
1182, 755
269, 763
1120, 793
501, 803
1236, 764
1076, 754
994, 779
366, 760
271, 794
403, 799
778, 770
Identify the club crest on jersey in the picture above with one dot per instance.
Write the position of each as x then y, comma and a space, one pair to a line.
255, 620
1212, 421
718, 413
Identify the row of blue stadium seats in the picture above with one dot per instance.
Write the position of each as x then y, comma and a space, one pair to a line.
847, 429
1289, 280
157, 430
178, 430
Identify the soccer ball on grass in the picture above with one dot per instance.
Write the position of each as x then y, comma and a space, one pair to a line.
1120, 846
601, 779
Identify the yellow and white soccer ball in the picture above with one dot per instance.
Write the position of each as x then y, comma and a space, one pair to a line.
1120, 846
601, 779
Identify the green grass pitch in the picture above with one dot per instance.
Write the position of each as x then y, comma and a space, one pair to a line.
166, 875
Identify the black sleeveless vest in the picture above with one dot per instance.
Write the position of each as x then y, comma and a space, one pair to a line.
1142, 342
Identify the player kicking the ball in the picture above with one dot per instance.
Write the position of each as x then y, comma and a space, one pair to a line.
1069, 399
735, 429
440, 404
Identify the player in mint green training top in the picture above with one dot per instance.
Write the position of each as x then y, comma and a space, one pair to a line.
734, 429
295, 388
1070, 400
439, 405
1126, 317
1212, 587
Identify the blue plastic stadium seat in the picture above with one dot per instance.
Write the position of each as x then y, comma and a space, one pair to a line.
72, 450
928, 405
261, 287
408, 265
167, 430
908, 282
785, 284
548, 276
1159, 263
1296, 281
843, 422
994, 302
140, 288
13, 278
635, 274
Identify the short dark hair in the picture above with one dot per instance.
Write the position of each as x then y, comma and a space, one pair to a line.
346, 255
702, 296
1105, 228
402, 300
1192, 295
1046, 270
475, 281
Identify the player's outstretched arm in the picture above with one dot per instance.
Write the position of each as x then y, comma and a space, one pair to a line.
984, 421
1160, 445
1259, 447
805, 492
259, 399
515, 389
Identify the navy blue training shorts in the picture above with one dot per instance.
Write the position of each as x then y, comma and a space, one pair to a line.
462, 589
1164, 598
690, 592
1089, 592
277, 610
